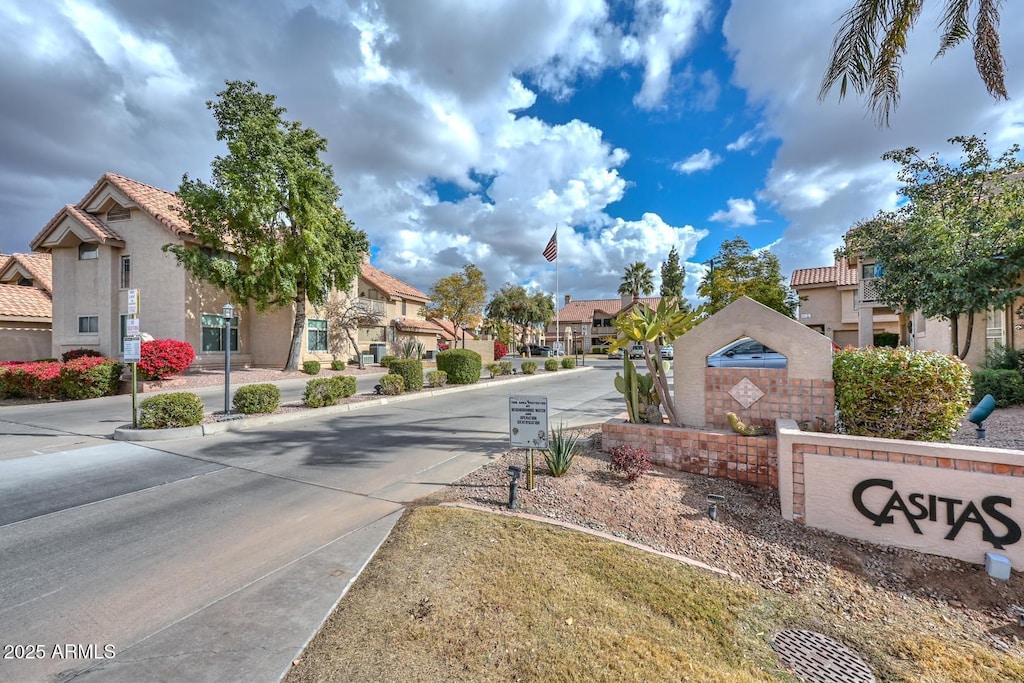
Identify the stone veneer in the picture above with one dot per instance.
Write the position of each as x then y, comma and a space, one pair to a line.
801, 400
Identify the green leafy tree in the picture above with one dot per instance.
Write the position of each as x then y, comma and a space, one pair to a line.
868, 49
737, 271
638, 279
673, 279
460, 297
956, 248
512, 304
268, 228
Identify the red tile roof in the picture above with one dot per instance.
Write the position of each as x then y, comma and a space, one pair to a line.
38, 267
417, 325
391, 285
839, 275
448, 330
21, 302
586, 310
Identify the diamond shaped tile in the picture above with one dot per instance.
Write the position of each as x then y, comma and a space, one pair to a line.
746, 393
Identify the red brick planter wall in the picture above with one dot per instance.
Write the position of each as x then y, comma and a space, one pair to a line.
795, 399
749, 460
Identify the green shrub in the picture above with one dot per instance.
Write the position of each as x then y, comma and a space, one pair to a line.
506, 367
561, 450
338, 364
410, 370
167, 411
528, 367
311, 367
1004, 358
462, 365
38, 379
1006, 387
900, 393
437, 379
551, 364
888, 339
89, 377
256, 398
385, 361
494, 369
79, 353
568, 362
391, 385
328, 391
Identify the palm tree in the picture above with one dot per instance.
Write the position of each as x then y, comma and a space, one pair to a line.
638, 279
872, 39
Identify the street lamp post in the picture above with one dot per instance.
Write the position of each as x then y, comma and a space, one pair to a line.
229, 313
464, 326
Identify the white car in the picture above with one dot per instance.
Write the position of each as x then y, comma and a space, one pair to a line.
636, 351
668, 352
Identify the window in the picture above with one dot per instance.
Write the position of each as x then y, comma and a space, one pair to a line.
316, 331
26, 282
213, 332
119, 213
403, 308
88, 252
995, 328
126, 272
88, 324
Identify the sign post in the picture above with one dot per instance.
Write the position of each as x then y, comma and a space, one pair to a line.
528, 427
133, 349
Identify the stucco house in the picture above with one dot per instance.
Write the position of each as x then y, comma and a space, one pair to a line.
111, 242
597, 316
841, 302
26, 306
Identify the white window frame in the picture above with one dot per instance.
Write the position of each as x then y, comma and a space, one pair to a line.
83, 318
125, 274
310, 331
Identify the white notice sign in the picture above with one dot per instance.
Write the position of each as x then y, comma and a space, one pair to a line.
528, 421
133, 302
132, 350
132, 327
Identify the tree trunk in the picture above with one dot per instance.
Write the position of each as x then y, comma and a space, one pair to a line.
355, 347
660, 382
954, 332
295, 350
969, 336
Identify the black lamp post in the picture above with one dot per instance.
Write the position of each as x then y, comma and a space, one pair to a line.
229, 314
464, 326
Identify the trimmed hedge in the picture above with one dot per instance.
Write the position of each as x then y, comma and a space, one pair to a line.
494, 369
338, 364
328, 391
889, 339
30, 380
436, 379
385, 361
568, 362
462, 365
167, 411
256, 398
1006, 387
162, 358
311, 367
410, 370
506, 367
89, 377
900, 393
528, 367
551, 364
391, 385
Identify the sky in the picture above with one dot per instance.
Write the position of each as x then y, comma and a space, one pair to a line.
465, 131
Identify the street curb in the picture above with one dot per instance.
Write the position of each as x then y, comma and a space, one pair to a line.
126, 433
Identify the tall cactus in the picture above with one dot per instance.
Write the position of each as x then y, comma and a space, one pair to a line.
626, 384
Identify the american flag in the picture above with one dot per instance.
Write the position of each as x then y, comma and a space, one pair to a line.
551, 251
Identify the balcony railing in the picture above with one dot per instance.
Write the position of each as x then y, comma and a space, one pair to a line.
373, 306
868, 291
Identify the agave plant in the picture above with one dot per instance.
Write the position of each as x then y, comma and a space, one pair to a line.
561, 450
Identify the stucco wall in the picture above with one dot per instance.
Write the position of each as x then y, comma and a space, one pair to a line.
936, 498
21, 341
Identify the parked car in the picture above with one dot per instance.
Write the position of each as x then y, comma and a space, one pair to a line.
536, 350
668, 352
746, 353
636, 351
615, 355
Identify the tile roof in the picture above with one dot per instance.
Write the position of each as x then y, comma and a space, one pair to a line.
840, 275
585, 310
39, 267
448, 331
391, 285
417, 325
25, 302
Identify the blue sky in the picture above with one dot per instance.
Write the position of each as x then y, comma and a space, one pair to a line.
462, 131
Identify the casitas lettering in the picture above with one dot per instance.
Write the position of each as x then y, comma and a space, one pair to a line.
953, 512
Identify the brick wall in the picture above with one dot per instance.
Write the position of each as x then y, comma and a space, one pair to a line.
801, 400
725, 455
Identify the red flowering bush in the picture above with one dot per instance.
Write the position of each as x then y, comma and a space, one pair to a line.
89, 377
165, 357
631, 461
30, 380
500, 350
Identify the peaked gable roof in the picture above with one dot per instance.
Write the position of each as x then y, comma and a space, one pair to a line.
447, 329
840, 275
391, 285
19, 302
161, 205
586, 310
37, 267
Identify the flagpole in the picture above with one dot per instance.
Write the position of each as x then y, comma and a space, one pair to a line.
556, 291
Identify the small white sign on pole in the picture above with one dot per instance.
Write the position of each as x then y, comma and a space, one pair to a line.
132, 350
528, 421
132, 327
133, 302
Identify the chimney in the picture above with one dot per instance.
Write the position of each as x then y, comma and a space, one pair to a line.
568, 298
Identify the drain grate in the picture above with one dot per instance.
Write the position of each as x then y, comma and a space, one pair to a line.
815, 658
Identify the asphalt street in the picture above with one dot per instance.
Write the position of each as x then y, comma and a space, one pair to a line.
216, 558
